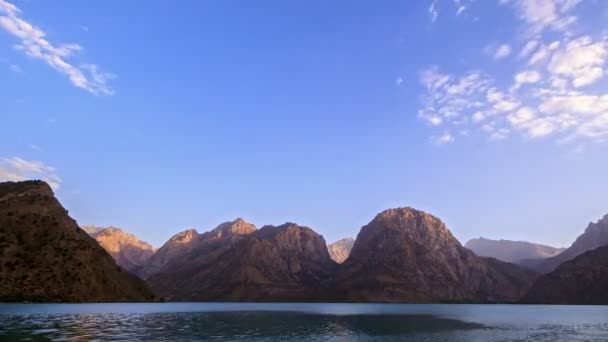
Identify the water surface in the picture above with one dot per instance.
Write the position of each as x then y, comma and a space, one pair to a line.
302, 322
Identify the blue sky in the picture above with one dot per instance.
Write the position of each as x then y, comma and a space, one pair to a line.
157, 117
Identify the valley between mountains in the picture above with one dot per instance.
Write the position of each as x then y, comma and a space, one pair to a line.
402, 255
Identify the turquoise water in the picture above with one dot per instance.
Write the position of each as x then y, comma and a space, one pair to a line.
302, 322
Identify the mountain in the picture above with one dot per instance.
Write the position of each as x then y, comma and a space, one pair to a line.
183, 243
511, 251
282, 263
177, 245
582, 280
46, 257
90, 229
406, 255
595, 236
128, 251
340, 250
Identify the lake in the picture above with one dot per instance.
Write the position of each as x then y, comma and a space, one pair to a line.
302, 322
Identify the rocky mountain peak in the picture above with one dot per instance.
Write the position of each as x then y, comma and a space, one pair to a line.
129, 252
33, 188
409, 255
340, 250
184, 237
414, 226
238, 226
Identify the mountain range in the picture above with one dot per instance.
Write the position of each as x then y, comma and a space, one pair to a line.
511, 251
402, 255
594, 236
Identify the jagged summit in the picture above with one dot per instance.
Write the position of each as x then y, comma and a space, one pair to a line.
185, 237
238, 226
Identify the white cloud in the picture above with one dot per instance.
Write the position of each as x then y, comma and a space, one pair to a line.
433, 79
504, 50
501, 102
528, 48
399, 81
545, 14
444, 138
33, 42
577, 104
527, 76
581, 60
499, 134
461, 6
18, 169
450, 98
557, 91
433, 11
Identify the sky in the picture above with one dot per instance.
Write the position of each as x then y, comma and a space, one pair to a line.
158, 117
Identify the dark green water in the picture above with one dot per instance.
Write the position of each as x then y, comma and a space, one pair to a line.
301, 322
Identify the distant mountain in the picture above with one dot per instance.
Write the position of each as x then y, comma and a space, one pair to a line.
46, 257
127, 250
90, 229
406, 255
181, 244
340, 250
511, 251
232, 263
582, 280
596, 235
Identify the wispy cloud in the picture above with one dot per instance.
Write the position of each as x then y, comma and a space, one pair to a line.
433, 11
15, 68
442, 139
553, 93
33, 42
504, 50
18, 169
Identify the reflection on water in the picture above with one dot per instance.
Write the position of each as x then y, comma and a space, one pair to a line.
301, 322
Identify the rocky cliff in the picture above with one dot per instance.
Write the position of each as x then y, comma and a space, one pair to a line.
46, 257
406, 255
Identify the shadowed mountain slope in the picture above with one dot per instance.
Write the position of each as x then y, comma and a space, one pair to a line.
46, 257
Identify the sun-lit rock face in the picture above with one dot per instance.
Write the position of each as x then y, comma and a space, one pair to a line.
340, 250
46, 257
406, 255
129, 252
180, 245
